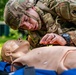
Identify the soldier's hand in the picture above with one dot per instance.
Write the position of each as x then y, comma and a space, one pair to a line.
53, 38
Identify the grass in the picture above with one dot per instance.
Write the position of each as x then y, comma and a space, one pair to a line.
3, 39
12, 35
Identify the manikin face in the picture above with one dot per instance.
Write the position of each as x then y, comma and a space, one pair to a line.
13, 49
29, 23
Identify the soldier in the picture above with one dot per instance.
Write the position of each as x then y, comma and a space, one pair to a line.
57, 58
41, 17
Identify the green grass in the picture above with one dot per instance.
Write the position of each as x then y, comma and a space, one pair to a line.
3, 39
12, 35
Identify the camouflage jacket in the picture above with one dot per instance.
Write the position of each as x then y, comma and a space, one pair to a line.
52, 22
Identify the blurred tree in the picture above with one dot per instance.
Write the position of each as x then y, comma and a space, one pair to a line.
2, 6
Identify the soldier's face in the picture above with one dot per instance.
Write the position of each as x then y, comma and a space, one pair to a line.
29, 23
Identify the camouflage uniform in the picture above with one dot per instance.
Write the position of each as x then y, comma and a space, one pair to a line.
55, 15
48, 24
54, 20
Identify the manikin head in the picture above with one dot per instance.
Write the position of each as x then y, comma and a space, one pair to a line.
13, 49
21, 14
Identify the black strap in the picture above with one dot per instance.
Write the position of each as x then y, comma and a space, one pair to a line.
36, 1
4, 73
29, 71
17, 67
6, 66
67, 38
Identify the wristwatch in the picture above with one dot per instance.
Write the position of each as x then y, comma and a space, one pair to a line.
67, 38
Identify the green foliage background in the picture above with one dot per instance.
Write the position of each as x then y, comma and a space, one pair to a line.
13, 33
2, 6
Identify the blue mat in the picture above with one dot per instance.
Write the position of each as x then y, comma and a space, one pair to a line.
69, 72
38, 72
6, 67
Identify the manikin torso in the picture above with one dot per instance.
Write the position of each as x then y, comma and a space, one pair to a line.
58, 58
51, 58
